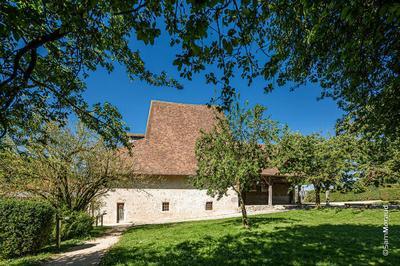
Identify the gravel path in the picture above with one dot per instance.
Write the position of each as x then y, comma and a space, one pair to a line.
340, 203
91, 252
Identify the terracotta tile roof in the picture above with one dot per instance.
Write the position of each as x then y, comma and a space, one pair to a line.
270, 171
171, 134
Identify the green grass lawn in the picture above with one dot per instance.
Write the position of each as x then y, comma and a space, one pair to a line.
51, 250
301, 237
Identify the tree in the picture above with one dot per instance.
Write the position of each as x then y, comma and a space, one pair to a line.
286, 145
351, 48
315, 160
50, 47
69, 170
230, 156
339, 158
378, 162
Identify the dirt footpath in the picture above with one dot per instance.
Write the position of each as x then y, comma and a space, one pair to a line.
91, 252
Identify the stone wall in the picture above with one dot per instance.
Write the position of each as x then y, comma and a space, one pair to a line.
144, 205
143, 199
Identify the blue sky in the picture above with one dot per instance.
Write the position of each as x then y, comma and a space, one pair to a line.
300, 109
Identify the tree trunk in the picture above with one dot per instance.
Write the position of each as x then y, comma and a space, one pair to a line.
299, 194
317, 189
245, 220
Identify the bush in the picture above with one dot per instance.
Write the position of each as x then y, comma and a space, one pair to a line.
76, 225
25, 226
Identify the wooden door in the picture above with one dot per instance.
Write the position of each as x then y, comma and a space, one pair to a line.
120, 212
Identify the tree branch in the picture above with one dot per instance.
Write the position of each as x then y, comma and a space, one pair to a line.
32, 45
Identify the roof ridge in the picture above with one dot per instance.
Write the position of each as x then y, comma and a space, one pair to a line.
178, 103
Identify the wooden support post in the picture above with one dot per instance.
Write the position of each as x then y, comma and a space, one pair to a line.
101, 220
327, 200
299, 194
270, 192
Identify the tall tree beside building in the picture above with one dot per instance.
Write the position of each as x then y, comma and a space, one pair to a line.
67, 169
230, 156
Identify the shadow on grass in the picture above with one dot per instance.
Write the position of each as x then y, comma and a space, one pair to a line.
324, 244
99, 231
76, 243
65, 246
256, 221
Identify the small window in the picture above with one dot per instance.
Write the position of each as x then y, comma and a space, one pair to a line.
209, 206
165, 206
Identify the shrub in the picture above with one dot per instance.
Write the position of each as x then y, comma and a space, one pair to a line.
76, 225
25, 226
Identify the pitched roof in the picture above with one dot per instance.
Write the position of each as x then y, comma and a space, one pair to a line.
171, 134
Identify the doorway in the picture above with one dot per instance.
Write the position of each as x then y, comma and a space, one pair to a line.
120, 212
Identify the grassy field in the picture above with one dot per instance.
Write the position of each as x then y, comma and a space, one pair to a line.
391, 193
49, 251
301, 237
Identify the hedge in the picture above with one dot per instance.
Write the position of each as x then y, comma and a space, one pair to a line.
25, 226
391, 193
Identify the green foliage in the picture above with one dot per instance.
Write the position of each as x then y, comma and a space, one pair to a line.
350, 47
50, 47
68, 169
230, 156
315, 160
342, 162
76, 224
378, 162
25, 226
299, 237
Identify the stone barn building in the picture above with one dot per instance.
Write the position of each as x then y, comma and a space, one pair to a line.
164, 159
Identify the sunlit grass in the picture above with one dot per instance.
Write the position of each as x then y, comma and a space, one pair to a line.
304, 237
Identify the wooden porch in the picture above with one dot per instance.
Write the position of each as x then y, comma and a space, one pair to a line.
270, 191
